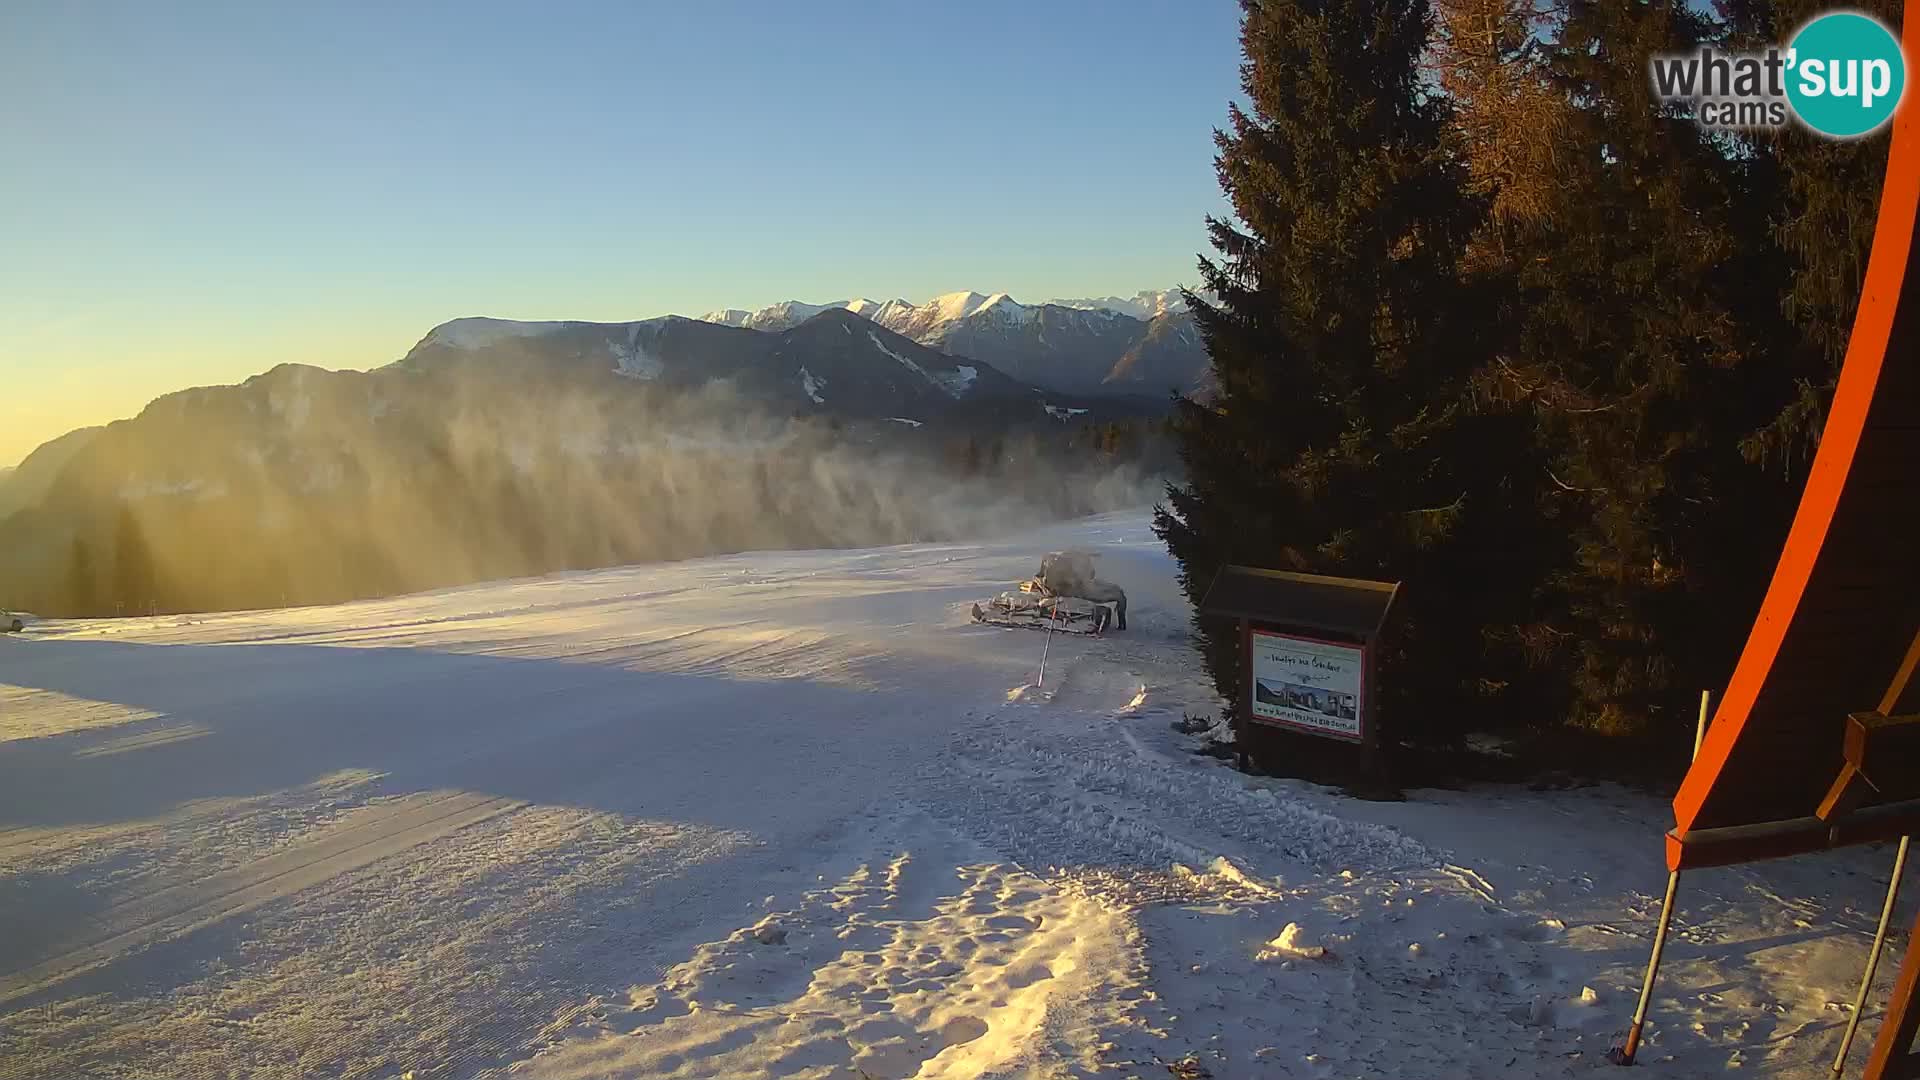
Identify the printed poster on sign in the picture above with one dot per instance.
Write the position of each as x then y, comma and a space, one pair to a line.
1307, 684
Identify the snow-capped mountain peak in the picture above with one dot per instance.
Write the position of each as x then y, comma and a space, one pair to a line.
1004, 307
1146, 304
1145, 343
781, 316
959, 305
928, 323
1085, 345
871, 309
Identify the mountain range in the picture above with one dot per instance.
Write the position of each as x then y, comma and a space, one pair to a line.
962, 356
834, 362
502, 448
497, 447
291, 426
1145, 343
964, 361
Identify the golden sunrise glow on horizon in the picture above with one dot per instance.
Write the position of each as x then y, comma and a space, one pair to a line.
87, 379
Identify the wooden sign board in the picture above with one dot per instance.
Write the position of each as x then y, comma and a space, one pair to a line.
1308, 684
1306, 648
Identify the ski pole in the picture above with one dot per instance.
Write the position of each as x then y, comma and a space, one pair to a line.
1624, 1053
1041, 681
1873, 958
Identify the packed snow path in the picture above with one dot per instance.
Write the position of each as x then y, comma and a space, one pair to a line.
792, 814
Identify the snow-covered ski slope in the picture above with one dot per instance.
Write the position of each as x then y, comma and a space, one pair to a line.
795, 815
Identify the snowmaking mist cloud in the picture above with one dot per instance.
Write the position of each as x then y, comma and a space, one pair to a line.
310, 486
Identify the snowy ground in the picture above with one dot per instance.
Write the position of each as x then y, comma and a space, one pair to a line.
792, 815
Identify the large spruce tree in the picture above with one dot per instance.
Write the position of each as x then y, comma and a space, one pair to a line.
1343, 334
1822, 198
1643, 337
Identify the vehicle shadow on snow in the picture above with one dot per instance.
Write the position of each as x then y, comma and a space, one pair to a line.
550, 731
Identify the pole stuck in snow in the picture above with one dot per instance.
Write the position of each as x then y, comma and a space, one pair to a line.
1051, 619
1873, 957
1624, 1053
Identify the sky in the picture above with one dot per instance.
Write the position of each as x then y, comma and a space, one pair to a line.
192, 193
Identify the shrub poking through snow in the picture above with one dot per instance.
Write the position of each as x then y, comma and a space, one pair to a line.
1193, 725
1189, 1068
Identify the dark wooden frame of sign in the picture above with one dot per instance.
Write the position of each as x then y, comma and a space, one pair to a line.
1347, 612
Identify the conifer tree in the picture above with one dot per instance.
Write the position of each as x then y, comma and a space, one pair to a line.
1645, 345
1342, 338
1825, 196
1509, 121
133, 571
81, 598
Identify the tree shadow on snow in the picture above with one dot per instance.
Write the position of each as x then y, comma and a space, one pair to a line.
277, 716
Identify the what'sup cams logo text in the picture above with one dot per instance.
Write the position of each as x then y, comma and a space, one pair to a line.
1842, 76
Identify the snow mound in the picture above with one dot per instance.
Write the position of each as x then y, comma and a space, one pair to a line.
1288, 946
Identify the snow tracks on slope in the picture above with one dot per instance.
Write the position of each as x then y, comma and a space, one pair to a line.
924, 963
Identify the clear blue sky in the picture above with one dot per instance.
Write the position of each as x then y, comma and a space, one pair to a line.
192, 193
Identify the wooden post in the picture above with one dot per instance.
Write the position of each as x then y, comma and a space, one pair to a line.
1368, 712
1624, 1054
1242, 722
1873, 957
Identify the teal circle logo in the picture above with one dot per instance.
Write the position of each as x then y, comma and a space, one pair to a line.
1846, 74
